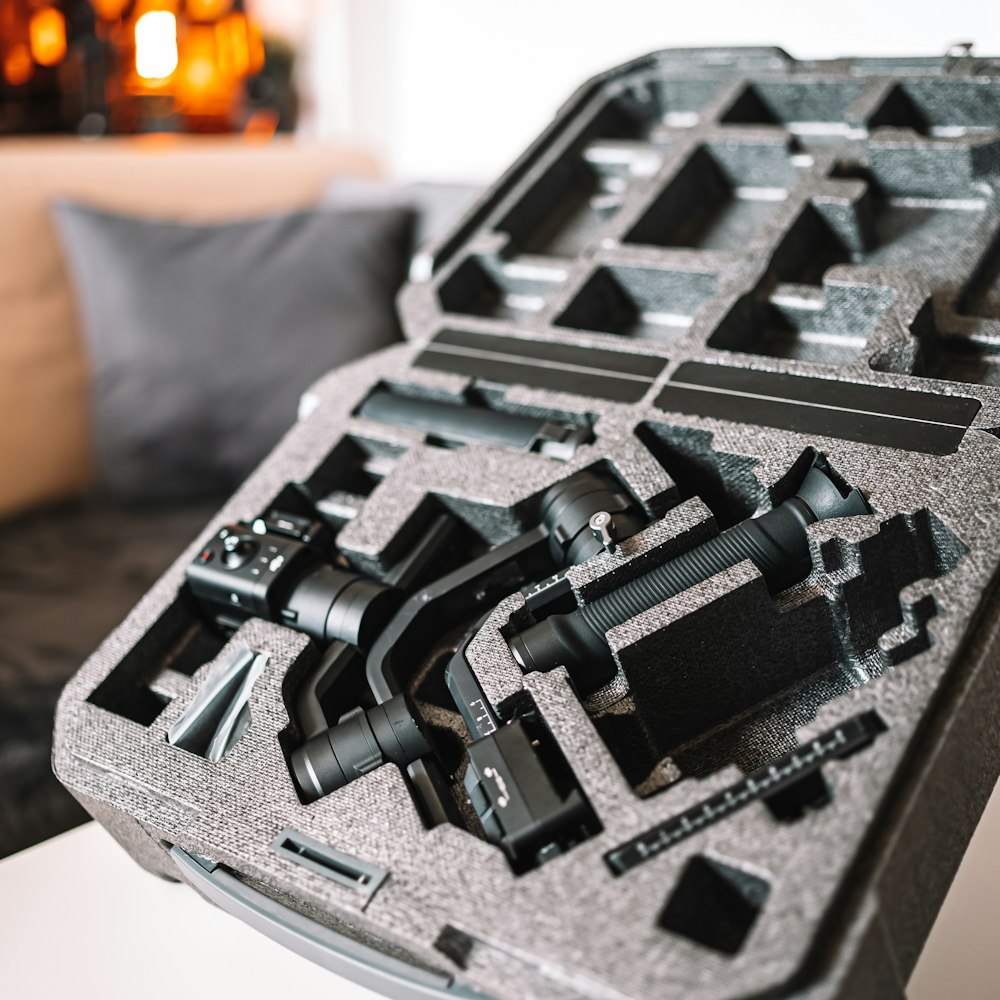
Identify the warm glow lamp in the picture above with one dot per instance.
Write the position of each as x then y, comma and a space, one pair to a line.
109, 10
47, 34
156, 45
136, 65
18, 67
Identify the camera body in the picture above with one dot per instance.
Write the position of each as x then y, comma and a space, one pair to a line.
244, 573
279, 569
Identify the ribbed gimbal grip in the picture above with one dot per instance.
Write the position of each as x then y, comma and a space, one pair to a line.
680, 574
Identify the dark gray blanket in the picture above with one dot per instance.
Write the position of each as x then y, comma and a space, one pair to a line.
68, 575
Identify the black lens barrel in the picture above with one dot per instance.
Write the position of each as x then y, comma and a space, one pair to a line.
332, 604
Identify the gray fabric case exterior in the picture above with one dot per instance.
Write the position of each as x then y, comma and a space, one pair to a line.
854, 886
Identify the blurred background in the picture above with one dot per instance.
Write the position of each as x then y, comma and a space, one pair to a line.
181, 178
437, 88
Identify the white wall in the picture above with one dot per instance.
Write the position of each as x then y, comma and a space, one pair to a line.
456, 88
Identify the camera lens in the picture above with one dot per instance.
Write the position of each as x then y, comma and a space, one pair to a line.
330, 605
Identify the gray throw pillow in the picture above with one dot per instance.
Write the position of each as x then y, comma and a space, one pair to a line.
437, 205
202, 337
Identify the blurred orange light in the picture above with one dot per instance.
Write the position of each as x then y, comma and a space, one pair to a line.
231, 34
261, 126
199, 74
255, 48
47, 31
241, 49
17, 65
202, 87
207, 10
109, 10
156, 45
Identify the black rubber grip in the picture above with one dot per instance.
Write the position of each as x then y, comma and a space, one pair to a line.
459, 423
359, 743
776, 543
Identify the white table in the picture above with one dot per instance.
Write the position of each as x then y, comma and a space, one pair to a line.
79, 919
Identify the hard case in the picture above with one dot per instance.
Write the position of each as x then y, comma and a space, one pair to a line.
717, 265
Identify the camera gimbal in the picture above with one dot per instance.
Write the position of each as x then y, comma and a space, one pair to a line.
525, 795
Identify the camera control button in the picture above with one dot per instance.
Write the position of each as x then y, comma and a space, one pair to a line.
238, 551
